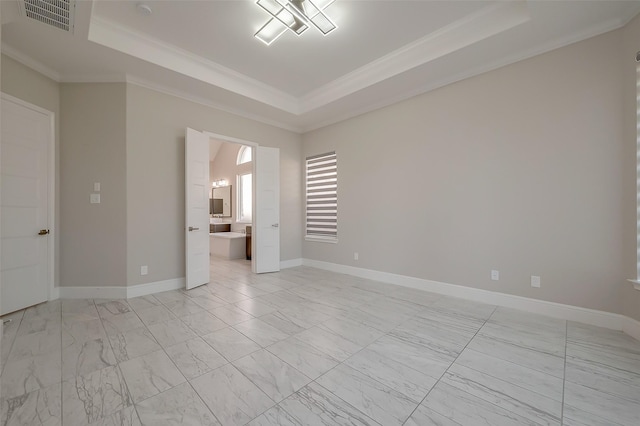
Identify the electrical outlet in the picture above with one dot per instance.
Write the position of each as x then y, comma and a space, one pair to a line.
495, 275
144, 270
94, 198
535, 281
355, 255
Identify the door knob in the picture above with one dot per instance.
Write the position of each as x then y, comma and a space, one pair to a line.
191, 228
43, 232
275, 225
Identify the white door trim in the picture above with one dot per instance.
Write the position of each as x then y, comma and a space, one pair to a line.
51, 177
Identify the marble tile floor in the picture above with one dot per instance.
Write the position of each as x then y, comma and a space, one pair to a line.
310, 347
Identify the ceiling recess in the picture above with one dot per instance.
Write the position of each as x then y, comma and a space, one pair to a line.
57, 13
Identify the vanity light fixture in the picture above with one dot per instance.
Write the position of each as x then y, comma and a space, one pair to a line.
219, 183
295, 15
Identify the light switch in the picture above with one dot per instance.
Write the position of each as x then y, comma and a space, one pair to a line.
96, 187
94, 198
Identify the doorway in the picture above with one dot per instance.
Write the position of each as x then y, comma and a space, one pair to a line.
231, 174
265, 206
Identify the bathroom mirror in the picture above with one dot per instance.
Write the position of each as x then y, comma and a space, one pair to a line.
220, 203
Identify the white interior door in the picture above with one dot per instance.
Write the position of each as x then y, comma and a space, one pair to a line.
267, 217
197, 208
25, 254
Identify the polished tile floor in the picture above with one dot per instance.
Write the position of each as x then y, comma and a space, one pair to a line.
310, 347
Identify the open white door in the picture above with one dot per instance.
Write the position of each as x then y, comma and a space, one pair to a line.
197, 208
267, 217
26, 262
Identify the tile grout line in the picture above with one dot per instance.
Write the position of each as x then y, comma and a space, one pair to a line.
257, 350
309, 299
118, 362
357, 352
134, 404
517, 364
453, 362
313, 380
350, 356
12, 343
226, 359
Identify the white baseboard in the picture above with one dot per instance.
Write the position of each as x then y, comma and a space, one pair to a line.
93, 292
155, 287
120, 292
631, 327
292, 263
556, 310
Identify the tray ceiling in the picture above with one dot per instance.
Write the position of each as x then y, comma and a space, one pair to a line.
382, 51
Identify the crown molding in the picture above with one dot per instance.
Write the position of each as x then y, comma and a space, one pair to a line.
405, 58
93, 78
596, 30
207, 102
122, 39
466, 31
30, 62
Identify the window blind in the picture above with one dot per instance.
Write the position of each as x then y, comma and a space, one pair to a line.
322, 196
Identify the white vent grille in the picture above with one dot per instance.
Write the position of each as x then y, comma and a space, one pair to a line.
57, 13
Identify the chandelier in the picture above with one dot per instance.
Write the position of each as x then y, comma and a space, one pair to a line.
295, 15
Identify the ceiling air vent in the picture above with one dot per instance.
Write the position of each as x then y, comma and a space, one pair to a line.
57, 13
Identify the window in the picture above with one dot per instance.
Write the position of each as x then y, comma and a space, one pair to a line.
244, 155
322, 197
244, 198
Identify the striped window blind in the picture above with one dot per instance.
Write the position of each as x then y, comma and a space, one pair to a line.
322, 196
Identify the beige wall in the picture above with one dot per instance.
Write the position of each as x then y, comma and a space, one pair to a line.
131, 140
93, 149
24, 83
529, 169
631, 38
224, 167
155, 178
519, 169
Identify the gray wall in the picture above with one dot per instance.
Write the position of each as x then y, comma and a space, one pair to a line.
519, 169
93, 248
155, 178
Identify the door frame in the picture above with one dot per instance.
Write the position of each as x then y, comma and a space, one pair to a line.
254, 147
51, 181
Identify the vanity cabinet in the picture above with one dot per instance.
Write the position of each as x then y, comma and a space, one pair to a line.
219, 227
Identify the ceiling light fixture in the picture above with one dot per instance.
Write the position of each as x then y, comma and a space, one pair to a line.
295, 15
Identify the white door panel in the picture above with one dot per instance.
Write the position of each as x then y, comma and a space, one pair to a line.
197, 208
267, 217
25, 257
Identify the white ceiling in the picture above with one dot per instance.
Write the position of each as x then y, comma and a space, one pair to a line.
382, 51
